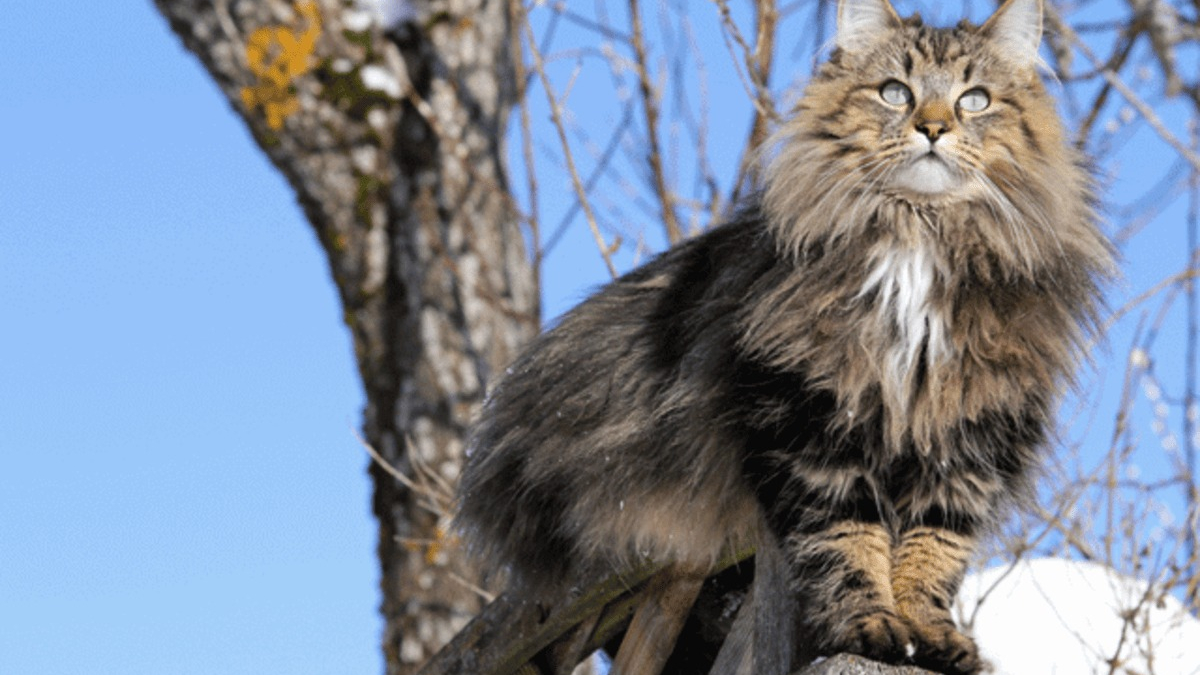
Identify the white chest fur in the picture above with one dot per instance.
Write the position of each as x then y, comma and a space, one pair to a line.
902, 280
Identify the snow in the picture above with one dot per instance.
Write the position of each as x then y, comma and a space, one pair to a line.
1062, 617
390, 13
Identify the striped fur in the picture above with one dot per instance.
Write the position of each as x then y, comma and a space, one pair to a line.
866, 359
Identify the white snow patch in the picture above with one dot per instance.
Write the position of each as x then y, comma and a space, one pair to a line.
380, 79
1065, 617
390, 13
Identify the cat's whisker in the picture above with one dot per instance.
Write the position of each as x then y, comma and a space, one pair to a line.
1027, 184
870, 179
1002, 208
1010, 215
843, 187
1040, 218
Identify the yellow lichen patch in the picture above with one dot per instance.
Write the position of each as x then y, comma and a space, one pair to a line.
432, 549
443, 539
277, 55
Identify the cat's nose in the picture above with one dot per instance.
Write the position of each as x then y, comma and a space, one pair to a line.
933, 119
933, 129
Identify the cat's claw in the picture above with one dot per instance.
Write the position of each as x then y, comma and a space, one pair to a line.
892, 638
942, 648
881, 636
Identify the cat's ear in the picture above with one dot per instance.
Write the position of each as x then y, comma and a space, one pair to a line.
861, 23
1016, 30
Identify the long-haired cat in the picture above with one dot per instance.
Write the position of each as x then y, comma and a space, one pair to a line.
867, 359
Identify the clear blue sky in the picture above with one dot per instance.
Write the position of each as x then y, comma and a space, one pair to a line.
181, 490
180, 487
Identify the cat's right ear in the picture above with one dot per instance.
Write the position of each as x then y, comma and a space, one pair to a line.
861, 23
1016, 29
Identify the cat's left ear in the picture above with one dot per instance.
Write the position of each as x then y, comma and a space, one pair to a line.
862, 23
1016, 30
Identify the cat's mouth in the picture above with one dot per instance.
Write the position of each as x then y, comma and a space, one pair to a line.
929, 173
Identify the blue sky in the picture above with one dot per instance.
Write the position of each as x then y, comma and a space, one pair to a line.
181, 489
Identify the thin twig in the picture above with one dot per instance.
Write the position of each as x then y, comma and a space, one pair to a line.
766, 18
1130, 96
602, 165
516, 17
556, 118
756, 89
1120, 55
1154, 290
666, 200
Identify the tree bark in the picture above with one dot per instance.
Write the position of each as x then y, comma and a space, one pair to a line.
394, 146
848, 664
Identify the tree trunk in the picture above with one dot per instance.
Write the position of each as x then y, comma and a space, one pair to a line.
394, 145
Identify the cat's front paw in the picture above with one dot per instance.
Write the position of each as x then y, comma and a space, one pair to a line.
942, 648
880, 636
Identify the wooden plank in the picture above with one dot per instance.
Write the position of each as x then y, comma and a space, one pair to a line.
509, 632
651, 636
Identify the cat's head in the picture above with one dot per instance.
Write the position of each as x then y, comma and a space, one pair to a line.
905, 112
932, 108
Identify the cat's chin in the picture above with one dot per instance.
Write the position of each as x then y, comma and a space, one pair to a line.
928, 176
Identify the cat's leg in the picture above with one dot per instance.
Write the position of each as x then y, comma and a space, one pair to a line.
827, 514
928, 566
842, 580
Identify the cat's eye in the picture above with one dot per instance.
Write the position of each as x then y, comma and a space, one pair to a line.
895, 93
974, 100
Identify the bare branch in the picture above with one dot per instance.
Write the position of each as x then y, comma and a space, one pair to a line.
1130, 95
539, 67
666, 199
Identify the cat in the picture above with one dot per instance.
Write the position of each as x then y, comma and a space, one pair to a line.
862, 365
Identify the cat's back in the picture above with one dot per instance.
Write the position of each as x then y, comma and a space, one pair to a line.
608, 418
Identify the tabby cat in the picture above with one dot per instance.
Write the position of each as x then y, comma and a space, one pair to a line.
866, 360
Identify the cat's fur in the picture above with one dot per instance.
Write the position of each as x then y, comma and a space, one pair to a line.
867, 358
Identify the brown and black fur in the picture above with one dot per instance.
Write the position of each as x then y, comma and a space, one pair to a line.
870, 371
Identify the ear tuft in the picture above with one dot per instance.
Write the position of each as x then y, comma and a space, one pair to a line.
861, 23
1016, 29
